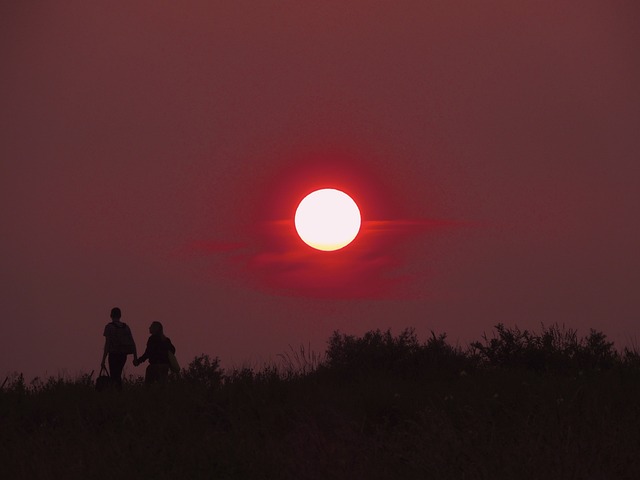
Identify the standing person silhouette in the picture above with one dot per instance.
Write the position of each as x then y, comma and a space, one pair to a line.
118, 343
158, 348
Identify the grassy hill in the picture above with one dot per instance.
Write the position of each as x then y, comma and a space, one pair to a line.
518, 405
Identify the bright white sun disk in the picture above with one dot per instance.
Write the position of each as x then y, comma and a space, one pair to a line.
327, 219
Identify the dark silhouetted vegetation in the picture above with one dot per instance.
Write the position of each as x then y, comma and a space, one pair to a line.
204, 372
401, 355
554, 349
518, 404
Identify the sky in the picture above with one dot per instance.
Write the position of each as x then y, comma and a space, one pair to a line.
152, 155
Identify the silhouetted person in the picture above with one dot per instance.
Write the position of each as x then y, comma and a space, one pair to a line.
118, 343
158, 348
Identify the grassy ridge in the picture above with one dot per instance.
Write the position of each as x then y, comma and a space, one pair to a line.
378, 406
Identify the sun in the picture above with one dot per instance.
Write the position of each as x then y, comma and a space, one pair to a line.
327, 219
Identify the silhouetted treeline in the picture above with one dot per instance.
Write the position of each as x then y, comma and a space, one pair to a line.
554, 348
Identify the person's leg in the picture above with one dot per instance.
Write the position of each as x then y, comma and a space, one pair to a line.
157, 373
116, 364
149, 375
163, 373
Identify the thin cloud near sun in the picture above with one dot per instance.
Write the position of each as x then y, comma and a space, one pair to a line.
371, 267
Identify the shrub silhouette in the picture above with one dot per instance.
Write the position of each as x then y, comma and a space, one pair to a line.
631, 357
556, 348
595, 352
403, 354
204, 370
437, 354
374, 350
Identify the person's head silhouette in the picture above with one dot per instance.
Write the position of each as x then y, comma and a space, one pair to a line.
116, 313
156, 328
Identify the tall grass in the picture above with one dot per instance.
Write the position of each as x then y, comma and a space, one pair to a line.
379, 406
300, 361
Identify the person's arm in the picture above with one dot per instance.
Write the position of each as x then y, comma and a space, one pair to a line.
145, 355
135, 350
105, 351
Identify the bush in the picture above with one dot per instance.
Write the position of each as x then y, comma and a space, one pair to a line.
631, 357
204, 371
374, 350
595, 352
554, 349
402, 355
437, 354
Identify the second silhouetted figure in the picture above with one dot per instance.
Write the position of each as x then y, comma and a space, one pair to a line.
158, 348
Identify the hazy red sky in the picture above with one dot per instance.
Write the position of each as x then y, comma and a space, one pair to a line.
150, 154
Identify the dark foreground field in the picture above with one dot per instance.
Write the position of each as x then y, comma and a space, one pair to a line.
517, 406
